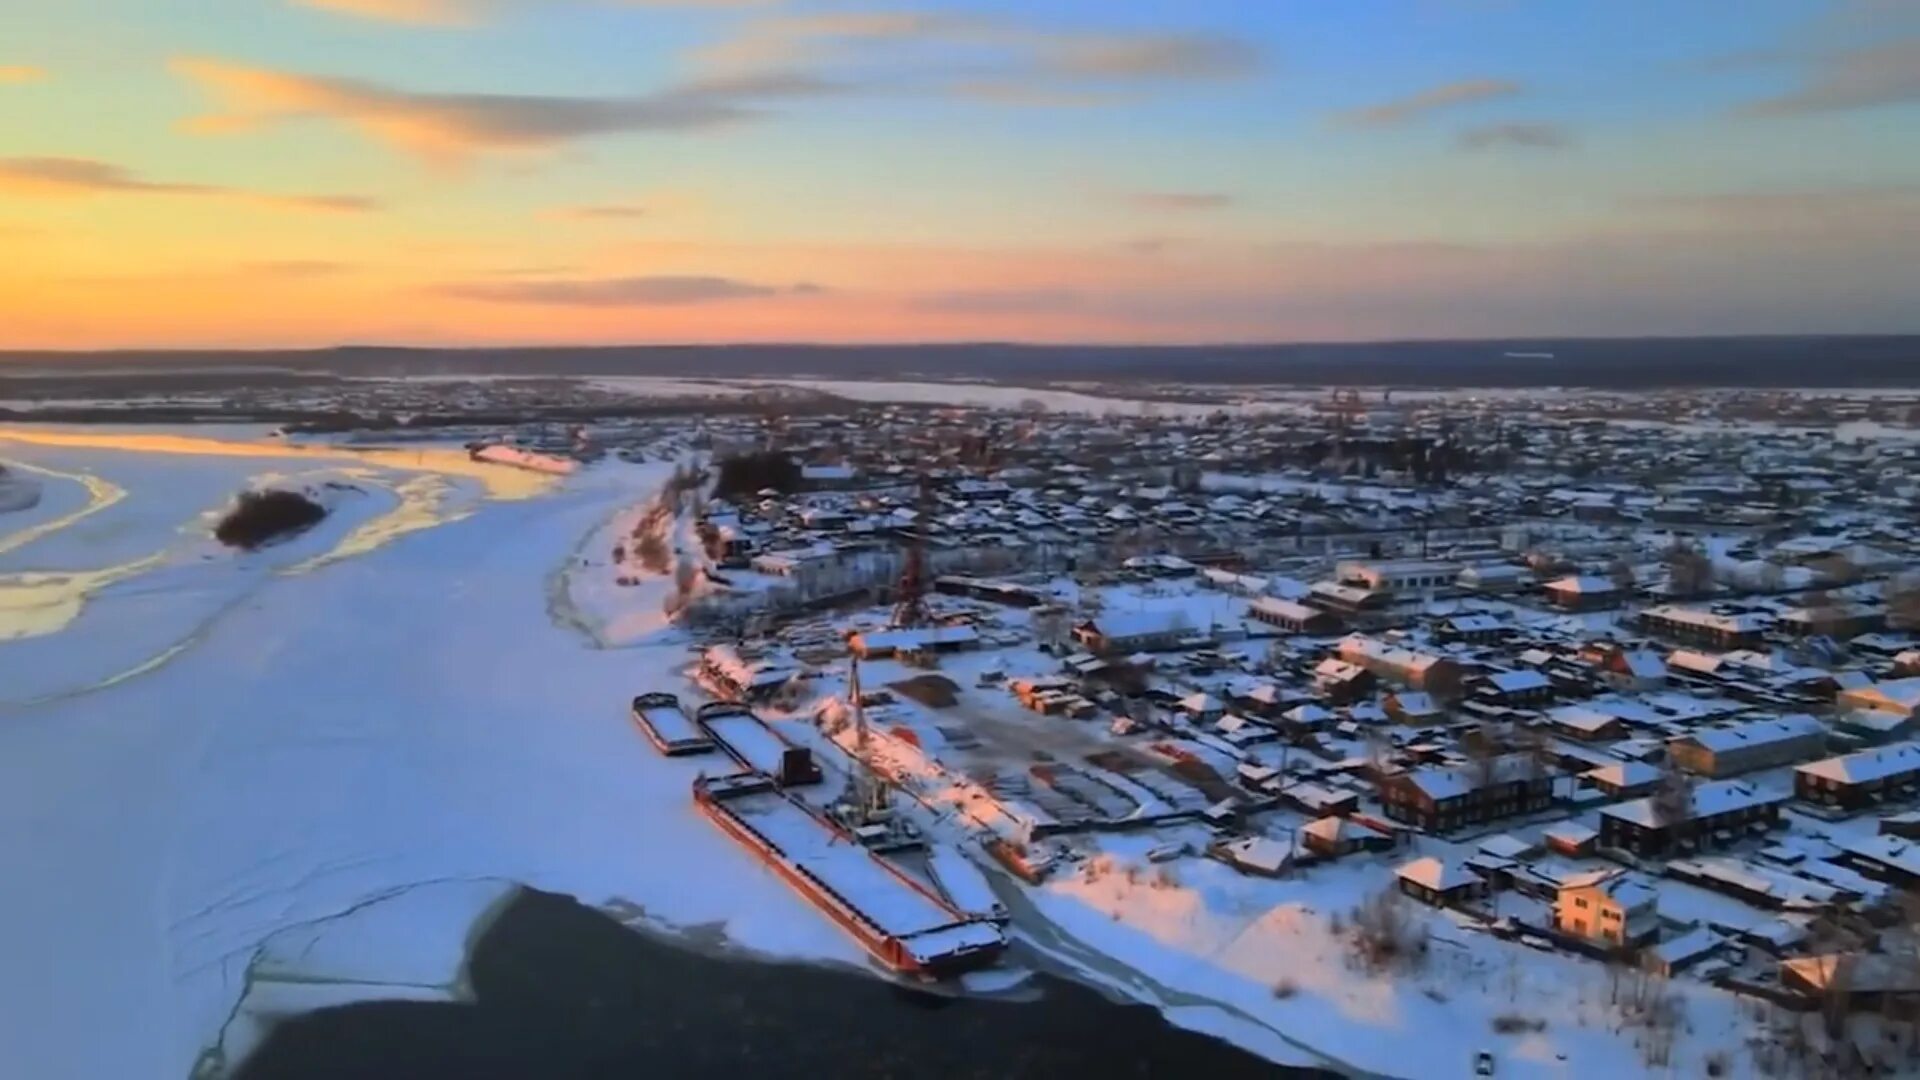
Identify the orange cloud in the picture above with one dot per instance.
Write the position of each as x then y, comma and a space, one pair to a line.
21, 73
448, 126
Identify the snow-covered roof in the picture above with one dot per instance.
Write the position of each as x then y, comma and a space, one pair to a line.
1709, 800
1149, 622
1895, 851
1434, 874
1755, 733
1583, 583
1360, 645
1284, 609
1517, 682
1867, 765
1747, 622
1644, 664
1901, 693
1626, 774
1627, 890
1581, 718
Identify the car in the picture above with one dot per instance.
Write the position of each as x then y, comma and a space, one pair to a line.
1483, 1063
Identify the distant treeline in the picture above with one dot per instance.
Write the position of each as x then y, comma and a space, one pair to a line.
1885, 360
260, 517
744, 474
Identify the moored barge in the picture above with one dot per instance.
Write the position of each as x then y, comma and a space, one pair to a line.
668, 727
749, 740
900, 922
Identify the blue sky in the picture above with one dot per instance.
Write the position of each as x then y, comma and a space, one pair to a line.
301, 171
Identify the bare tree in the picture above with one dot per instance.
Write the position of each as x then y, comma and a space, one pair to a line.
1621, 573
1672, 799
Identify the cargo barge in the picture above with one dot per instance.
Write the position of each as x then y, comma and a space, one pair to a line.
668, 727
748, 740
900, 922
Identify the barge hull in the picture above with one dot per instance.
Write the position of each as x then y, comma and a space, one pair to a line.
926, 935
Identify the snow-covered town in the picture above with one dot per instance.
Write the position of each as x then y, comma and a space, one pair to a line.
1429, 736
1595, 739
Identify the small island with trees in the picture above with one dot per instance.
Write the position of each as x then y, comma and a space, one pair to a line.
259, 518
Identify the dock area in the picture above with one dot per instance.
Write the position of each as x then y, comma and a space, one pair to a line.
903, 924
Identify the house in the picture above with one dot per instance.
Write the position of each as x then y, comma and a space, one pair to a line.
1474, 629
912, 641
1840, 621
1896, 697
1331, 837
1437, 675
1433, 881
1885, 857
1492, 578
1858, 980
1624, 780
1293, 616
1396, 576
1635, 669
1202, 707
1702, 627
1668, 958
1715, 812
1586, 724
1584, 592
1440, 798
1342, 682
1859, 780
1257, 855
1516, 689
1149, 630
1570, 838
1756, 744
1617, 910
1412, 707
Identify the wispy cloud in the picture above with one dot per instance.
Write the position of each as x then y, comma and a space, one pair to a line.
59, 176
1434, 99
654, 291
982, 58
449, 126
1151, 56
1860, 78
21, 73
1522, 136
1179, 200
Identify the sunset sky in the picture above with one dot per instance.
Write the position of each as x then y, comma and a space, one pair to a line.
311, 172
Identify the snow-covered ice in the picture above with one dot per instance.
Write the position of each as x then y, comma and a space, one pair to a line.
417, 712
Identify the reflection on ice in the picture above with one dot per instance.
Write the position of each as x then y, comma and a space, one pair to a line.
501, 482
34, 605
100, 495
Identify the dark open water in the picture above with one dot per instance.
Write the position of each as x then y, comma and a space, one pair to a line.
562, 991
